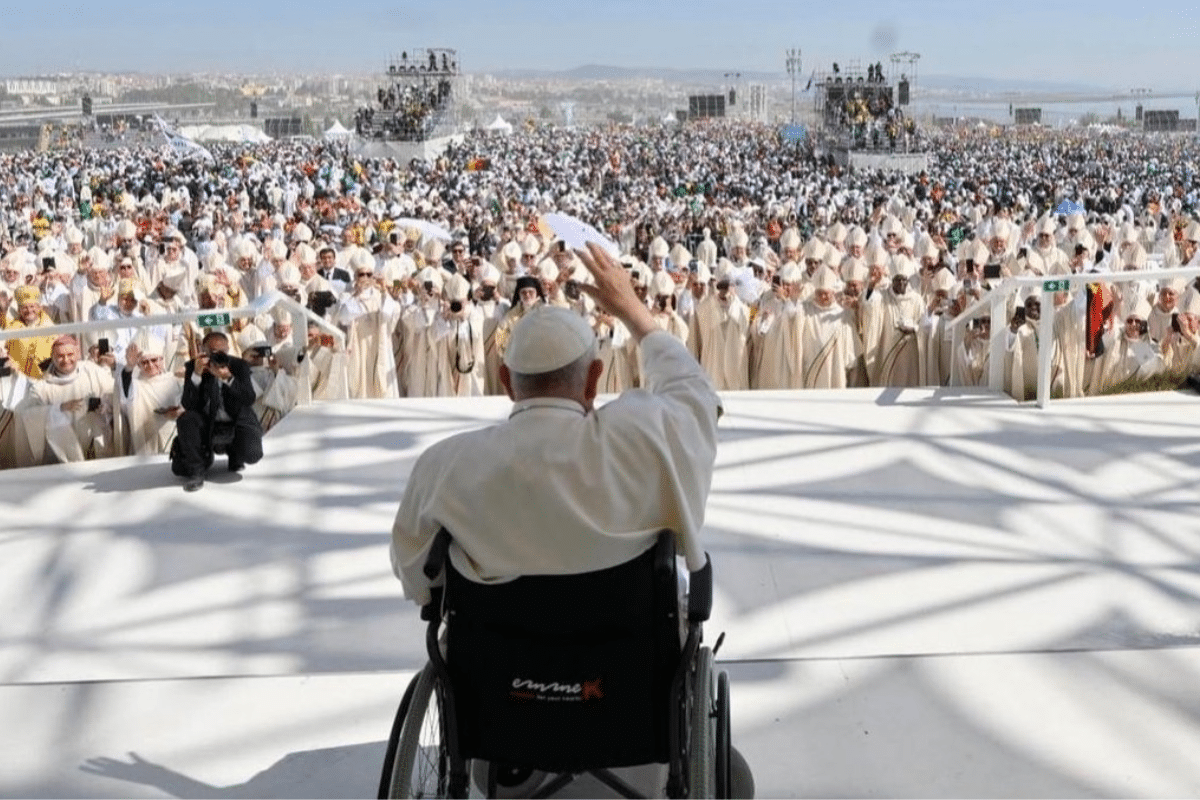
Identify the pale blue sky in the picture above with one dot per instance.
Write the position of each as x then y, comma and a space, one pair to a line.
1116, 44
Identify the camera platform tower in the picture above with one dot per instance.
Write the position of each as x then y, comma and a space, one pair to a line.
415, 110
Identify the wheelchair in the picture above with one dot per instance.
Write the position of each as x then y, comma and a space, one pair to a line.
545, 678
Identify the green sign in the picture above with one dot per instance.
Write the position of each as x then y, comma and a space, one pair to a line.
213, 320
1056, 286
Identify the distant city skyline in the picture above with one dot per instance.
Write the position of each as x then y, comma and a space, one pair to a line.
1106, 43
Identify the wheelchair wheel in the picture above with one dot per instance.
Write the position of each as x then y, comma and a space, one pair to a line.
389, 756
701, 767
422, 764
724, 745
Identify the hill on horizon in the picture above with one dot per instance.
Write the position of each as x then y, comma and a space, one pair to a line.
717, 75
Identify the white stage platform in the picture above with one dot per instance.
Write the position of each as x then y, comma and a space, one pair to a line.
925, 593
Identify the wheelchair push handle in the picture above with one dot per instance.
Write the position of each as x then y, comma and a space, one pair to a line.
435, 562
700, 592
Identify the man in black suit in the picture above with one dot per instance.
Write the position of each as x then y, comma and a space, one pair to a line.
330, 271
218, 415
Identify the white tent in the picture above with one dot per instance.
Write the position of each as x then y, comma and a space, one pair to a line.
224, 133
337, 131
500, 126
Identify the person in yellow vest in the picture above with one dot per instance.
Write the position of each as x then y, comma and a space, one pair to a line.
28, 354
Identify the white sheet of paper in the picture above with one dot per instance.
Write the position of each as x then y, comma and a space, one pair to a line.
577, 233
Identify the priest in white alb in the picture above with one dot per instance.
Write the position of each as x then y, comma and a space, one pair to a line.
72, 406
150, 399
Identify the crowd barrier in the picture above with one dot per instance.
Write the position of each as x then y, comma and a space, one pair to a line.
996, 302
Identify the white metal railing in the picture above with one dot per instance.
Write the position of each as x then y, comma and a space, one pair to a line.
204, 318
996, 301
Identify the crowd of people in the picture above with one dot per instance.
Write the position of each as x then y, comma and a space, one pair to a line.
777, 270
406, 112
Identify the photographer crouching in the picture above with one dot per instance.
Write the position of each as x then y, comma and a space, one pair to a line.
218, 414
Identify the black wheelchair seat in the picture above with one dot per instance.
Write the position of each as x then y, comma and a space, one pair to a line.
560, 672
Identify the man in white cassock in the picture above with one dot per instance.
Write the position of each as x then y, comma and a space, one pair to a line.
72, 407
829, 339
150, 400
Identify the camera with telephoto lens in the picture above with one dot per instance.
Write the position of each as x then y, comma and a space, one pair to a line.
456, 306
219, 358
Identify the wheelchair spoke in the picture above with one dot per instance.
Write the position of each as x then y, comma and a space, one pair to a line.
431, 772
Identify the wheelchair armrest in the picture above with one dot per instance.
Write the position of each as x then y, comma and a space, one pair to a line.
433, 609
700, 592
435, 562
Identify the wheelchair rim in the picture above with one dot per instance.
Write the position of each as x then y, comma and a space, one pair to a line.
389, 756
700, 724
724, 744
422, 765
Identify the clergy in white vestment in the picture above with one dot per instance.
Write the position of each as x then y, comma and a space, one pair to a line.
1069, 359
866, 296
14, 399
719, 330
324, 370
95, 286
494, 307
936, 337
855, 276
150, 399
276, 391
369, 315
1021, 360
72, 408
1181, 356
464, 346
971, 353
897, 359
829, 340
780, 364
663, 306
424, 325
1129, 353
1158, 321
